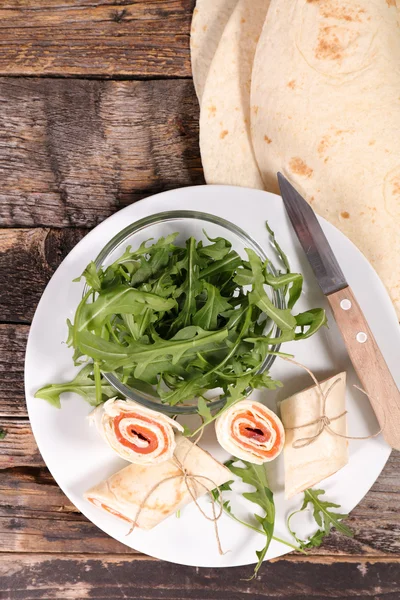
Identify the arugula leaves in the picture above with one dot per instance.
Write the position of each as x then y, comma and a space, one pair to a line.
83, 384
324, 517
184, 320
262, 496
256, 476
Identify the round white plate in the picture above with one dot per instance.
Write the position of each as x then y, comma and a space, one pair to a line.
78, 458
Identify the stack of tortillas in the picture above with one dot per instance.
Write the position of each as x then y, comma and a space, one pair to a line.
310, 88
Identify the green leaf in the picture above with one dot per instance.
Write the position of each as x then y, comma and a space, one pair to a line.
92, 277
149, 267
203, 409
3, 433
120, 300
278, 249
207, 316
83, 384
282, 317
227, 264
289, 281
191, 287
323, 516
314, 319
256, 476
217, 251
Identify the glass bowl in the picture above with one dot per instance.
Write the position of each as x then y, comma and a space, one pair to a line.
188, 223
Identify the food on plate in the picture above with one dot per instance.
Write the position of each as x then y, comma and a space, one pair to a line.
309, 464
177, 322
326, 113
250, 431
138, 434
134, 495
225, 138
208, 23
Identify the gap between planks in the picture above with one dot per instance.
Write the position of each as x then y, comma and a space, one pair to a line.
128, 558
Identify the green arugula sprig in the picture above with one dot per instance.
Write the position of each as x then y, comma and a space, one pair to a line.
256, 476
182, 321
325, 518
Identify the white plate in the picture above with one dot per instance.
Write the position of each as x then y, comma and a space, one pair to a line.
78, 459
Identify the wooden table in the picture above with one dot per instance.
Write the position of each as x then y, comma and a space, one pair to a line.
97, 110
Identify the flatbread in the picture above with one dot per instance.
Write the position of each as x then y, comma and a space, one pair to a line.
123, 493
307, 466
208, 23
326, 113
225, 141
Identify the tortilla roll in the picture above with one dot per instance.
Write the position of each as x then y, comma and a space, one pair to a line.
125, 492
138, 434
327, 454
250, 431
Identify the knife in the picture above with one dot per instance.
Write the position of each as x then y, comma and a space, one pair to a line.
367, 359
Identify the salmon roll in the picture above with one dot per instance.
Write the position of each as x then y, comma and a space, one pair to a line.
251, 432
138, 434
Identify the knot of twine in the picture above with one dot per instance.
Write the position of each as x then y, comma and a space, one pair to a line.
189, 479
323, 422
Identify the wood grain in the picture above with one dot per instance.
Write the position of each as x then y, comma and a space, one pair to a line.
34, 513
69, 577
106, 38
28, 258
74, 152
18, 448
12, 354
368, 361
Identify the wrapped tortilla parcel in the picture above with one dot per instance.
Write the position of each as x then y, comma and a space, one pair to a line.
136, 433
250, 431
125, 492
310, 464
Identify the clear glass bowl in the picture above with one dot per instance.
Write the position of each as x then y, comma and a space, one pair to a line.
188, 223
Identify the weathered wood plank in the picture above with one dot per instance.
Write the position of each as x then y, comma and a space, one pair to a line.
18, 448
72, 152
36, 516
104, 38
12, 354
34, 577
28, 258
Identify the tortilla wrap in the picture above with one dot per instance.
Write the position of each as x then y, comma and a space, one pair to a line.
208, 23
326, 113
125, 492
251, 432
136, 433
225, 140
307, 466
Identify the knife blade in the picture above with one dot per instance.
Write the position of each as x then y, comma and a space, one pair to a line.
364, 352
323, 262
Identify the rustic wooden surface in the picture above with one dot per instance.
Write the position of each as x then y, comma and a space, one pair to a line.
97, 111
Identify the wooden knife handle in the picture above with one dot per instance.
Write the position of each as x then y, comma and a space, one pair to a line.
369, 363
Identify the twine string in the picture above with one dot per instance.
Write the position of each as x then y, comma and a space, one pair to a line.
323, 422
189, 480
